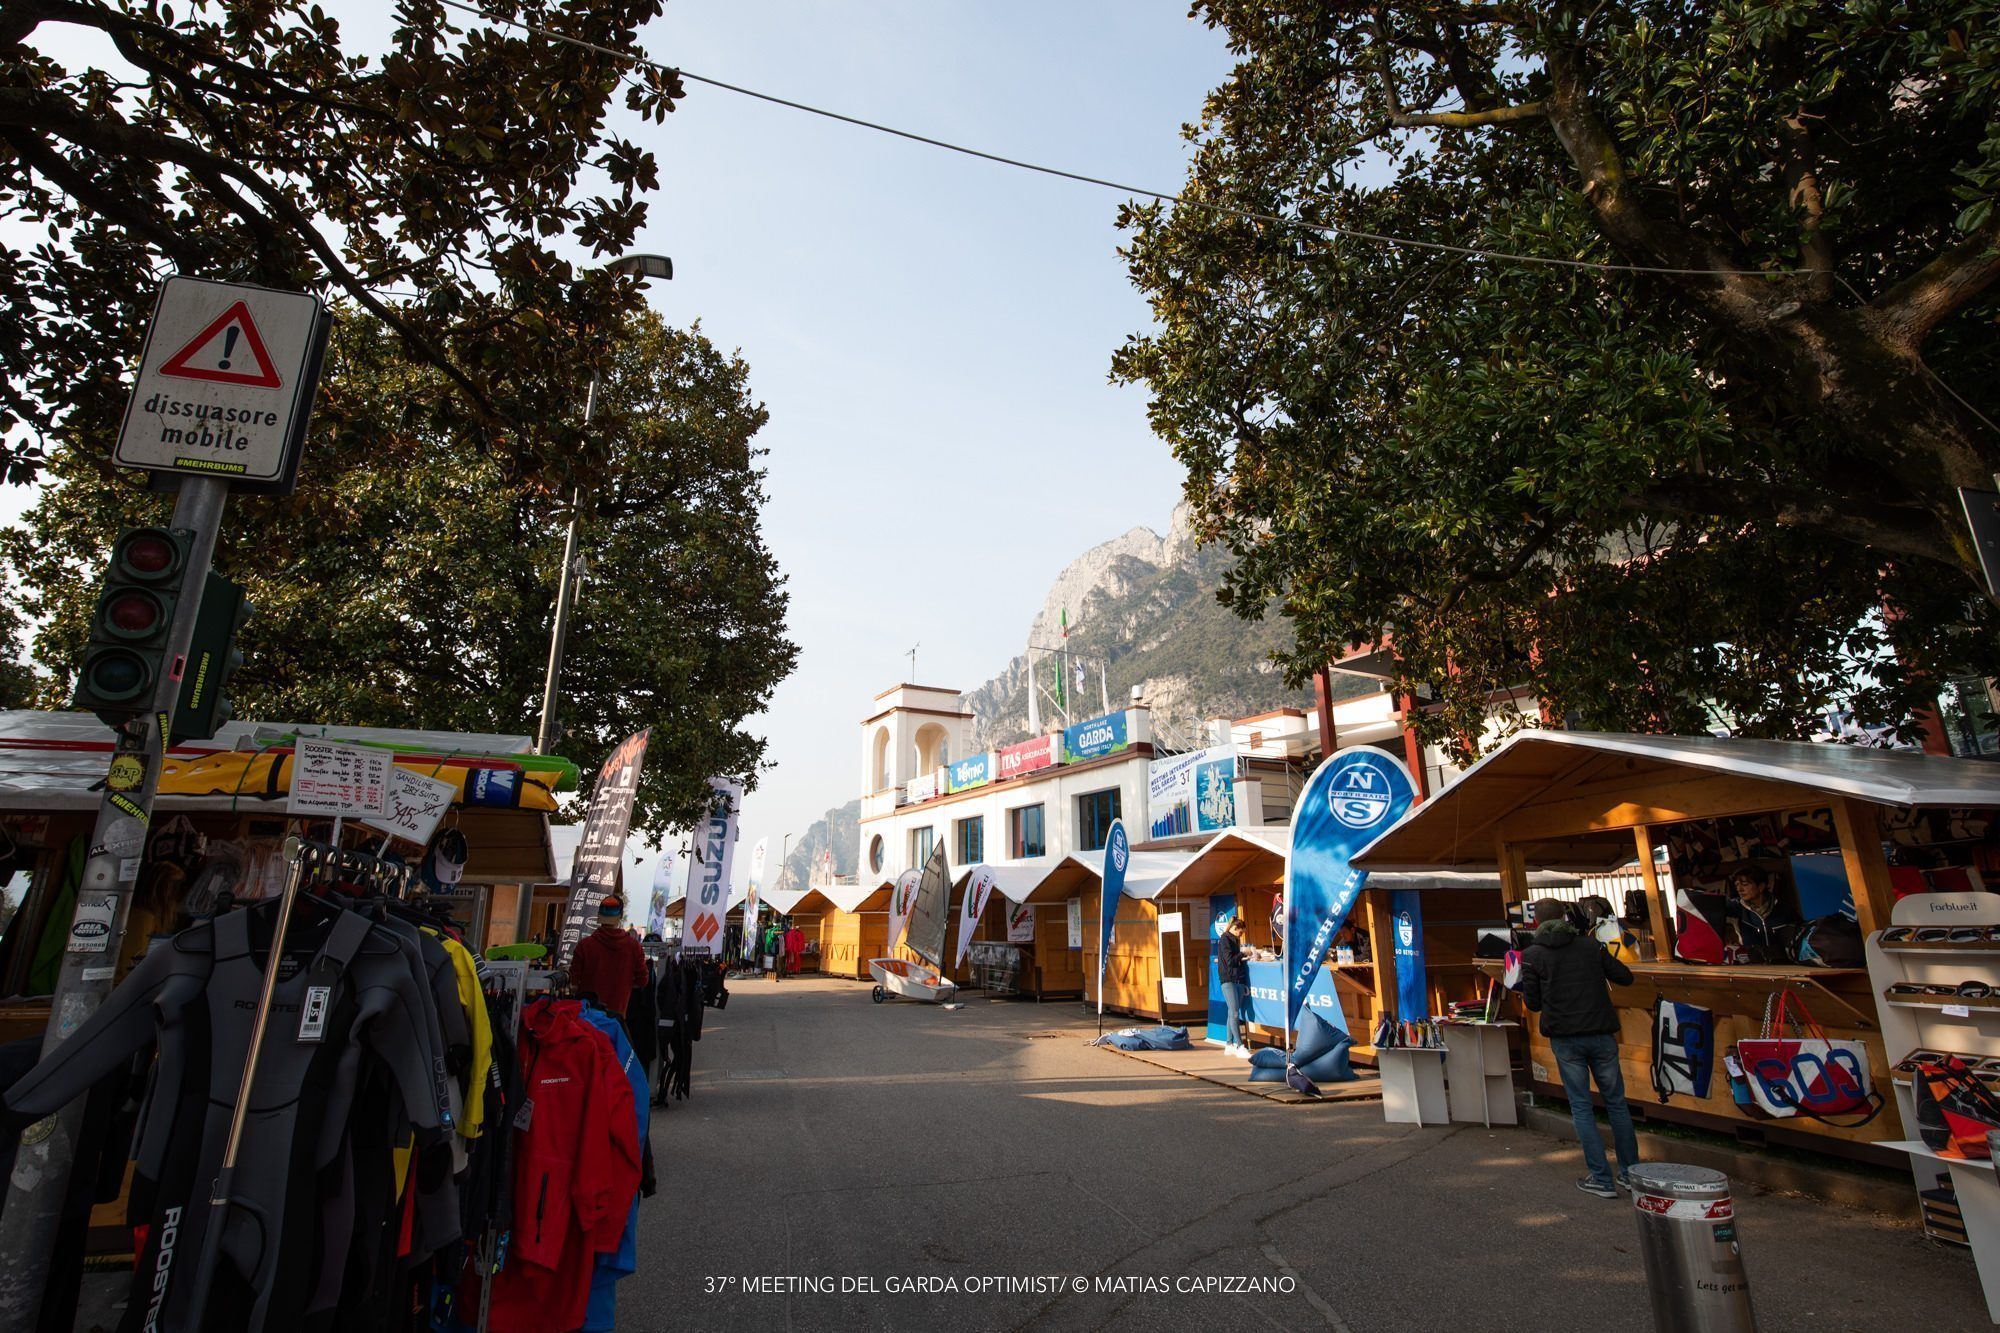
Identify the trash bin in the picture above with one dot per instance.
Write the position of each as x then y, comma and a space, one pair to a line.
1694, 1263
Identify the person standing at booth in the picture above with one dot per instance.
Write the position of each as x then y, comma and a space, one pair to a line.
1566, 977
1233, 971
1760, 912
609, 963
795, 948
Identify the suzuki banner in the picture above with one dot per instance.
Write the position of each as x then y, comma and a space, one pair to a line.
900, 900
1348, 802
977, 890
708, 878
593, 871
1117, 855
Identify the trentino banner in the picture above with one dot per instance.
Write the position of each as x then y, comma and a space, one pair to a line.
972, 771
1117, 855
708, 877
901, 899
593, 871
977, 890
1350, 800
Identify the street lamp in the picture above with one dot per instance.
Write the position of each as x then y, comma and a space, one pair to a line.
645, 268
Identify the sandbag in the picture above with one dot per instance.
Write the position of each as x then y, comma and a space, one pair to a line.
1332, 1066
1316, 1037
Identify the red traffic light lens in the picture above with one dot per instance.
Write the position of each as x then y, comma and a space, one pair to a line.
150, 555
132, 613
116, 675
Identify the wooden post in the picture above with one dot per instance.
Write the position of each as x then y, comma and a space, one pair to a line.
1382, 951
1329, 736
1513, 875
1656, 906
1413, 749
1859, 828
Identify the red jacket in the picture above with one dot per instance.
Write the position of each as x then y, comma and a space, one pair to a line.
607, 967
576, 1170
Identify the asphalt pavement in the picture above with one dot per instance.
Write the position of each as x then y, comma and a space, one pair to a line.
847, 1165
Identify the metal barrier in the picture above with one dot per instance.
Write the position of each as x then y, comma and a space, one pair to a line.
1694, 1260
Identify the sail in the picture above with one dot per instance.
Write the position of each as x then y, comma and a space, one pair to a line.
930, 917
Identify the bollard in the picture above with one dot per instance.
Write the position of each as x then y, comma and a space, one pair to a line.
1694, 1263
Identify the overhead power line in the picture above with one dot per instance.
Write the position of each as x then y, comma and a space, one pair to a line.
1083, 178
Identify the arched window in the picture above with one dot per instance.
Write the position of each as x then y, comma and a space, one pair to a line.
879, 770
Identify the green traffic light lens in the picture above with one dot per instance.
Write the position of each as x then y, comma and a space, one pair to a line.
117, 675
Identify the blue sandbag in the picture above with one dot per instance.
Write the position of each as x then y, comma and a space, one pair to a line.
1269, 1073
1268, 1057
1333, 1065
1316, 1038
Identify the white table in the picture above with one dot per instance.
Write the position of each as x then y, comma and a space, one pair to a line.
1479, 1074
1978, 1191
1412, 1085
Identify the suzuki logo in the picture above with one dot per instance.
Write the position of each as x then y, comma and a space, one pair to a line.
705, 928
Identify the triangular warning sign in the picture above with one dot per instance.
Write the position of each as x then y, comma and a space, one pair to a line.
228, 351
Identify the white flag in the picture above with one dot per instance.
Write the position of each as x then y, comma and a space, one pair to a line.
977, 890
757, 856
901, 898
708, 880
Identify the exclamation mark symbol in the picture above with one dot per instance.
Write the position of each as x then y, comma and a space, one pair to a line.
228, 346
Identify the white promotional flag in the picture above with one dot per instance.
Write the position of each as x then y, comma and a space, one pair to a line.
757, 855
708, 876
977, 890
900, 900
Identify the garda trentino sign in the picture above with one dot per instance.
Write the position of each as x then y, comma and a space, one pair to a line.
1094, 739
1349, 801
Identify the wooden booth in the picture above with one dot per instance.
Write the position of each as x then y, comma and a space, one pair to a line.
1157, 968
1837, 829
1242, 871
856, 930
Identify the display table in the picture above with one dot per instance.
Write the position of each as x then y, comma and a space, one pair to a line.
1413, 1090
1978, 1193
1479, 1073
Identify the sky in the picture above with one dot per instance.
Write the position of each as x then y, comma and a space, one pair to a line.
931, 333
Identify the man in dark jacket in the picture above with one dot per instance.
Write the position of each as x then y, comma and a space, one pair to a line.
1563, 976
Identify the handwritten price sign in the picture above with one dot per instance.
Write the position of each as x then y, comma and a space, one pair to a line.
416, 804
333, 779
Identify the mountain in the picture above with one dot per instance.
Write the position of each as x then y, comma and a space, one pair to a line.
840, 829
1143, 605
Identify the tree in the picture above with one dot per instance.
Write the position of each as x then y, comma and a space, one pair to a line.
1714, 490
240, 141
410, 581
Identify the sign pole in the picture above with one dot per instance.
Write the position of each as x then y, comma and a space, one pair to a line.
40, 1183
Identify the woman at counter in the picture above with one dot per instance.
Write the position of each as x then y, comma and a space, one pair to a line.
1233, 971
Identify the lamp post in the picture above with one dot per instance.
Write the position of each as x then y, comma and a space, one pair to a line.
645, 268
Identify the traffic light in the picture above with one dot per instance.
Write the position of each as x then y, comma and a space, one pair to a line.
212, 659
126, 654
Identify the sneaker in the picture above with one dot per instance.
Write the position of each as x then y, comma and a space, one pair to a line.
1625, 1181
1242, 1052
1602, 1191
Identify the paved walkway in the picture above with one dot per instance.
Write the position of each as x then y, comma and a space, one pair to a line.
835, 1149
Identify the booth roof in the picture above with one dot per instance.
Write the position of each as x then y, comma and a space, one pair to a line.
1017, 883
854, 897
1261, 852
1455, 827
1145, 875
677, 906
787, 901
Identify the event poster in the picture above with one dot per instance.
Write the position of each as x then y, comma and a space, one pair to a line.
1020, 923
707, 904
1193, 792
1349, 801
593, 872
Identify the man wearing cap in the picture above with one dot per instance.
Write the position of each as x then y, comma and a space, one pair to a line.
609, 963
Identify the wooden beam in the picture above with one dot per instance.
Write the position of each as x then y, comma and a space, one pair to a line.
1382, 952
1858, 825
1656, 904
1707, 797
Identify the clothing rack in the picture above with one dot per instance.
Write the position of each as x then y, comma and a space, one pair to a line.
308, 860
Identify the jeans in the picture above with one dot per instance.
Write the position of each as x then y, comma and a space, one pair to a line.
1580, 1059
1232, 996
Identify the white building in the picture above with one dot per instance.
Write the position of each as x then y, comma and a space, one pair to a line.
1030, 804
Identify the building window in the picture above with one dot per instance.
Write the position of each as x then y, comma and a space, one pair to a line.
921, 842
875, 855
971, 839
1026, 834
1094, 813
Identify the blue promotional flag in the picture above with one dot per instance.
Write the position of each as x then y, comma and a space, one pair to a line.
1413, 992
1350, 800
1117, 855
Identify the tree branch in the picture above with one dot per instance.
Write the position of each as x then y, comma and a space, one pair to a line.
1403, 119
1941, 288
74, 182
1537, 542
1904, 530
1802, 174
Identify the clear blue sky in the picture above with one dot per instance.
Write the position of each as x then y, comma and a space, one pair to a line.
931, 333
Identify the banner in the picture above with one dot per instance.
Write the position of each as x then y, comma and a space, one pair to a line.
593, 871
1020, 923
1193, 792
969, 772
1094, 739
1117, 855
703, 915
1349, 801
1015, 760
923, 789
977, 890
663, 892
1413, 992
1075, 923
901, 899
757, 856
